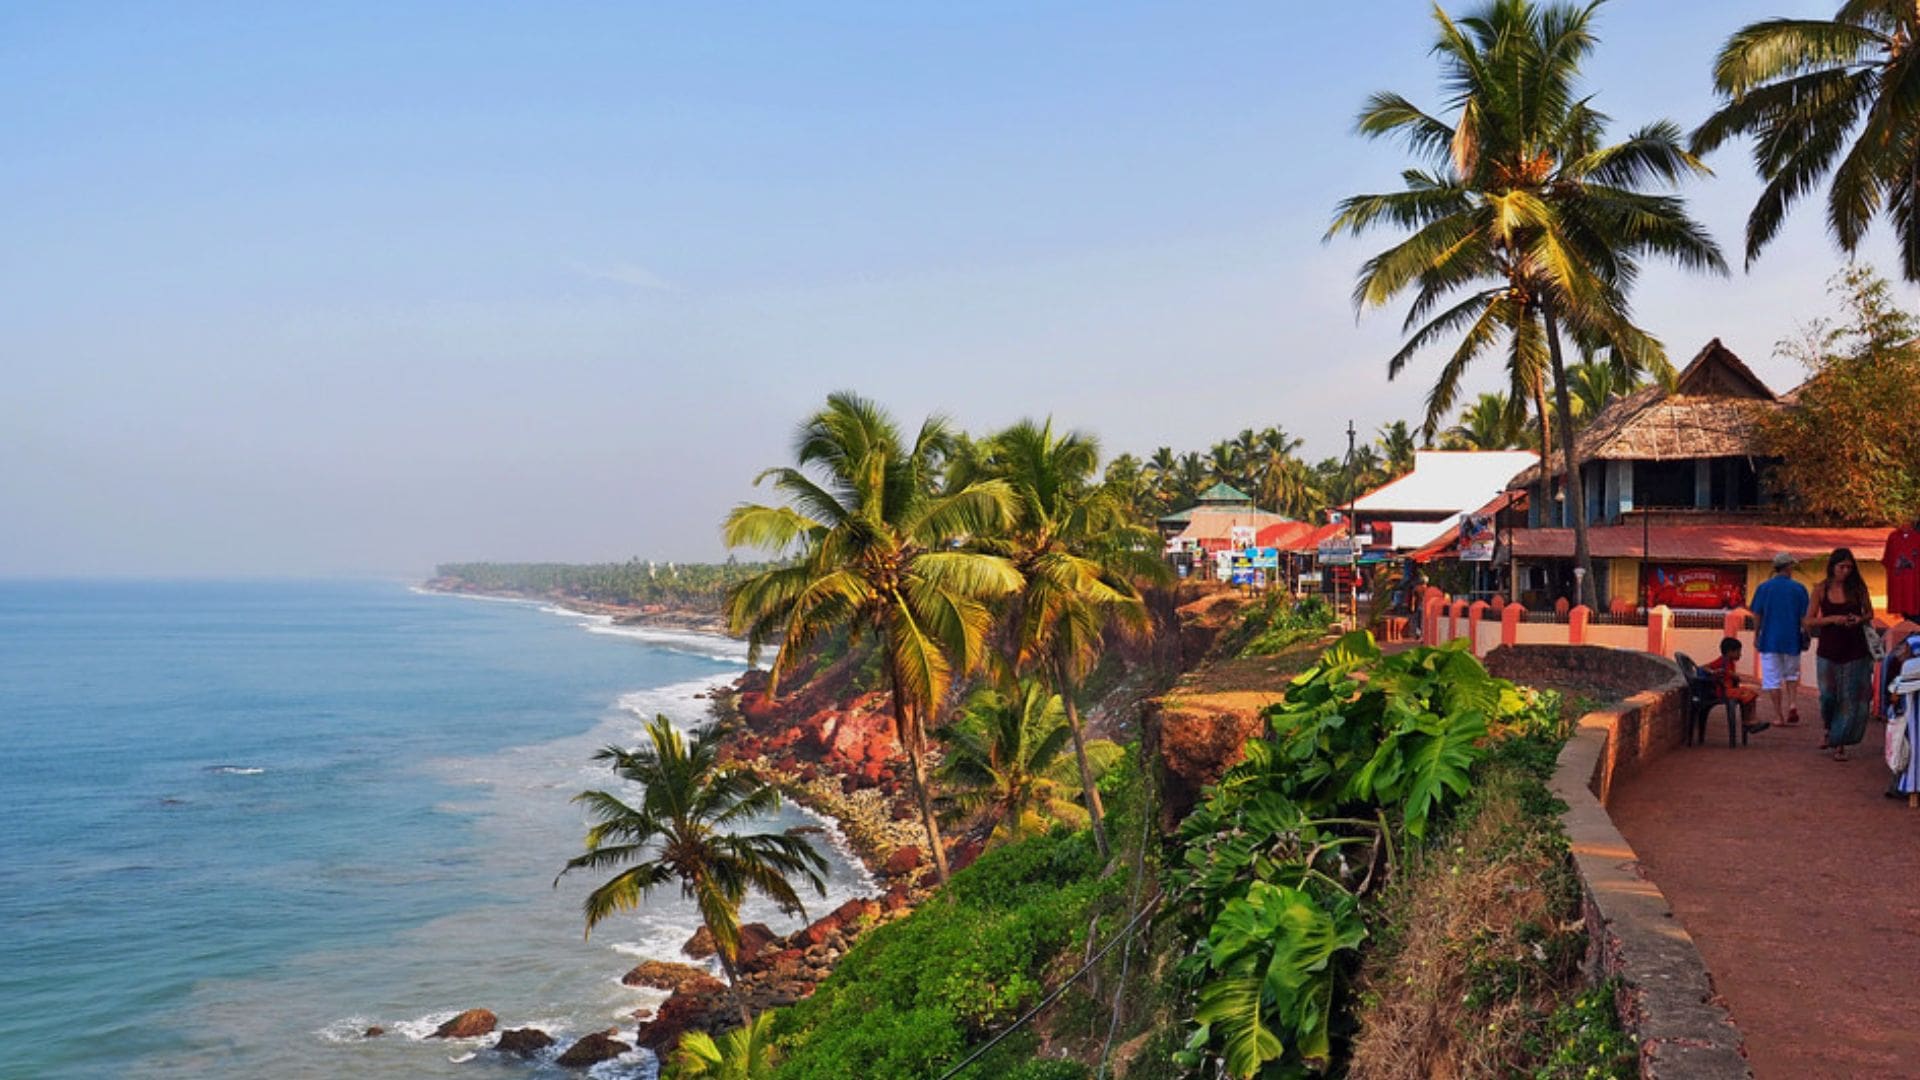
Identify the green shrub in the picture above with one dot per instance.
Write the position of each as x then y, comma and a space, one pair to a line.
1588, 1041
910, 997
1365, 753
1278, 623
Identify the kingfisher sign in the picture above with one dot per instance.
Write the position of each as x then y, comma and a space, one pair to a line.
1696, 588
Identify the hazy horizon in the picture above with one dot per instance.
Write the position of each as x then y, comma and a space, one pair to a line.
354, 290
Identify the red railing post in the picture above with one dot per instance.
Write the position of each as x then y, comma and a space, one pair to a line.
1577, 624
1659, 629
1476, 612
1510, 623
1430, 618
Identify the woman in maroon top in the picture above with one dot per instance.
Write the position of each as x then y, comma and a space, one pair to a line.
1842, 615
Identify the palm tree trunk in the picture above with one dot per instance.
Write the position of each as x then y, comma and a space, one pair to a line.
1094, 813
1546, 471
733, 984
1576, 490
909, 731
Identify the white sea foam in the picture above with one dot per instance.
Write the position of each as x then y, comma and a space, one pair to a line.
690, 642
235, 770
419, 591
351, 1029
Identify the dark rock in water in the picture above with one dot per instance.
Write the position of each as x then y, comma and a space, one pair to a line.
754, 937
468, 1025
373, 1032
671, 977
700, 945
904, 861
592, 1050
682, 1013
523, 1041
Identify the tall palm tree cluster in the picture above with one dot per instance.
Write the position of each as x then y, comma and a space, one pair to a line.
952, 557
1262, 464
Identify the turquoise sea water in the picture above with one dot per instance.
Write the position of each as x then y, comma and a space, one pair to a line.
240, 823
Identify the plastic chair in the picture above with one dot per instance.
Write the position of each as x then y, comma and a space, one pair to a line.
1702, 695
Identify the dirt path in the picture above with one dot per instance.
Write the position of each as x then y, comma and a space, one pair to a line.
1801, 884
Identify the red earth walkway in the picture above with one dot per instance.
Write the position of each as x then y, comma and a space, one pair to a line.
1801, 884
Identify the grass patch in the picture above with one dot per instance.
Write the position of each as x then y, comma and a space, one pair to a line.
1475, 969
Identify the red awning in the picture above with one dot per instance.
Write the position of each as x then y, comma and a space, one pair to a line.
1700, 543
1309, 543
1282, 534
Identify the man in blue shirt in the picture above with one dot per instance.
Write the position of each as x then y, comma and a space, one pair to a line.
1779, 606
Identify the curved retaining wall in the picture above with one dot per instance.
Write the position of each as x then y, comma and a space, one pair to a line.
1667, 996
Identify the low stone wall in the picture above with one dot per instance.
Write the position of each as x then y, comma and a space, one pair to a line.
1646, 719
1667, 997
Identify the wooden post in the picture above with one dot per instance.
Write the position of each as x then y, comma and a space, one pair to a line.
1510, 623
1659, 629
1476, 613
1577, 624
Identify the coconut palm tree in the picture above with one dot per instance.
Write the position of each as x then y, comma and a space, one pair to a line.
1191, 476
1490, 423
1594, 385
1080, 557
680, 831
872, 546
1006, 758
1397, 445
1527, 227
1802, 88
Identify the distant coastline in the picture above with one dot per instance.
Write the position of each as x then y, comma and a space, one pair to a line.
689, 617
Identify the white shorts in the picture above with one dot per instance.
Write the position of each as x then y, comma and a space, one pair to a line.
1777, 668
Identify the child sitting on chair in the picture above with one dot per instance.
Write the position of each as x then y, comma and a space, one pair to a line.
1726, 683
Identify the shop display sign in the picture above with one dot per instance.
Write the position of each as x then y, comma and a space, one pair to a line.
1696, 588
1242, 570
1476, 538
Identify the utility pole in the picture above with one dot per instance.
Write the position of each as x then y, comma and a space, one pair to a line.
1353, 530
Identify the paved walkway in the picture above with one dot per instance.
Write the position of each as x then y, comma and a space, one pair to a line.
1801, 885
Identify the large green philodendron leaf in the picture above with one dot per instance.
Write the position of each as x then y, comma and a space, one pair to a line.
1231, 1008
1275, 949
1440, 759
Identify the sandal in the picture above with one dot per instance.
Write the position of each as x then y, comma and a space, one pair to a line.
1840, 754
1793, 716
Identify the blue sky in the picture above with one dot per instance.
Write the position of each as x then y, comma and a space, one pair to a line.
350, 288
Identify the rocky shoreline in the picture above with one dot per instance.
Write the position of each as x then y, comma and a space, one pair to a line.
828, 746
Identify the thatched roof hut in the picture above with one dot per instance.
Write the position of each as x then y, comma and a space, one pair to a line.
1716, 409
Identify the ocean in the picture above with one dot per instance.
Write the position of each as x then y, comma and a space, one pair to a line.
241, 823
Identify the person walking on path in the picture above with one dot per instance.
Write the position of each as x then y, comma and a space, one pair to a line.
1779, 608
1843, 616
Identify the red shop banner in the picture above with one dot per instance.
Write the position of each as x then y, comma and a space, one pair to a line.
1696, 588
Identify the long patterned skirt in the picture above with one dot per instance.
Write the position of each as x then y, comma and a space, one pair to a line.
1846, 697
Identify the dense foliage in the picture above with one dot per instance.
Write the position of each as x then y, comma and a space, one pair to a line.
636, 582
1364, 751
1279, 622
912, 996
1849, 449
